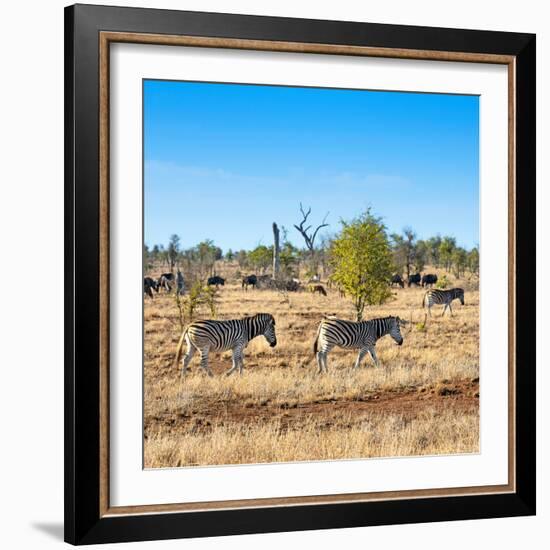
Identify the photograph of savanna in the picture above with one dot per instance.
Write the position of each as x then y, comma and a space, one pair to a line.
311, 274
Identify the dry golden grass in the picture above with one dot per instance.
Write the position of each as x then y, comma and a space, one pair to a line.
422, 400
374, 435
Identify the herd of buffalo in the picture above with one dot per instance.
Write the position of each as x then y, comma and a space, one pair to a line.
416, 279
167, 281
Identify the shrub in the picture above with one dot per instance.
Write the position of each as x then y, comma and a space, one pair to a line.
443, 282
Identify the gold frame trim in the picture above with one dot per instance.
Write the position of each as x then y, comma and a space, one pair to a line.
105, 39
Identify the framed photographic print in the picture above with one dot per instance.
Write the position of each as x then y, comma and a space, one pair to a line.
300, 277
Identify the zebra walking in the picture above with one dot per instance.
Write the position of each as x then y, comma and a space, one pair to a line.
361, 335
208, 335
445, 297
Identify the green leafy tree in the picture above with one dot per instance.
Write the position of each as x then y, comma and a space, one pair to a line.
146, 256
173, 250
229, 255
407, 255
473, 260
421, 255
261, 257
362, 263
446, 249
289, 257
206, 254
155, 253
242, 258
433, 245
460, 261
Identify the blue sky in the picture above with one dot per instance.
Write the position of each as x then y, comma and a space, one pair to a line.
223, 161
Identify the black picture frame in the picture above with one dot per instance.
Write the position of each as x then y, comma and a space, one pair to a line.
84, 523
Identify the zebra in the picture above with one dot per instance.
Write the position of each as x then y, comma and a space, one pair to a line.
360, 335
445, 297
208, 335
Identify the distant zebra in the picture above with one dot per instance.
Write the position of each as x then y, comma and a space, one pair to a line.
205, 336
348, 334
445, 297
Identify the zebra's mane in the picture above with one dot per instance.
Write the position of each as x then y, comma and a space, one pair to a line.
382, 324
387, 318
256, 324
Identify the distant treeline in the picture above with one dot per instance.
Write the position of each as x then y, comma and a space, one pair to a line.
410, 255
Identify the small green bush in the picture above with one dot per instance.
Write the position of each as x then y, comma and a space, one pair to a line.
442, 282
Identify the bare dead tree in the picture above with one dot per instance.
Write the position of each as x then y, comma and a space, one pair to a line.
276, 252
309, 237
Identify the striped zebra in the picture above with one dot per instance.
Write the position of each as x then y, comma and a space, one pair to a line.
208, 335
361, 335
445, 297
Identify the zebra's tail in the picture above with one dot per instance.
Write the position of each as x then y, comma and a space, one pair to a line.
180, 348
423, 300
315, 344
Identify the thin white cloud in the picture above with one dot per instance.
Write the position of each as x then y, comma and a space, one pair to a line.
294, 176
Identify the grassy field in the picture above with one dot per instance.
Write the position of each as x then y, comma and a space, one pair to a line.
422, 400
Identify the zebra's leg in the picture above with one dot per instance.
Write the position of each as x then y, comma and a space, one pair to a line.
235, 364
444, 309
320, 362
237, 361
187, 358
204, 361
362, 353
374, 357
241, 361
322, 357
451, 309
429, 309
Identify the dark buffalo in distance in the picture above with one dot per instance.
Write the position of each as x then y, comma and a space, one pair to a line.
165, 281
215, 280
397, 280
249, 280
429, 279
149, 284
414, 279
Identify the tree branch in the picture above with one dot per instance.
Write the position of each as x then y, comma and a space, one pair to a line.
309, 238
